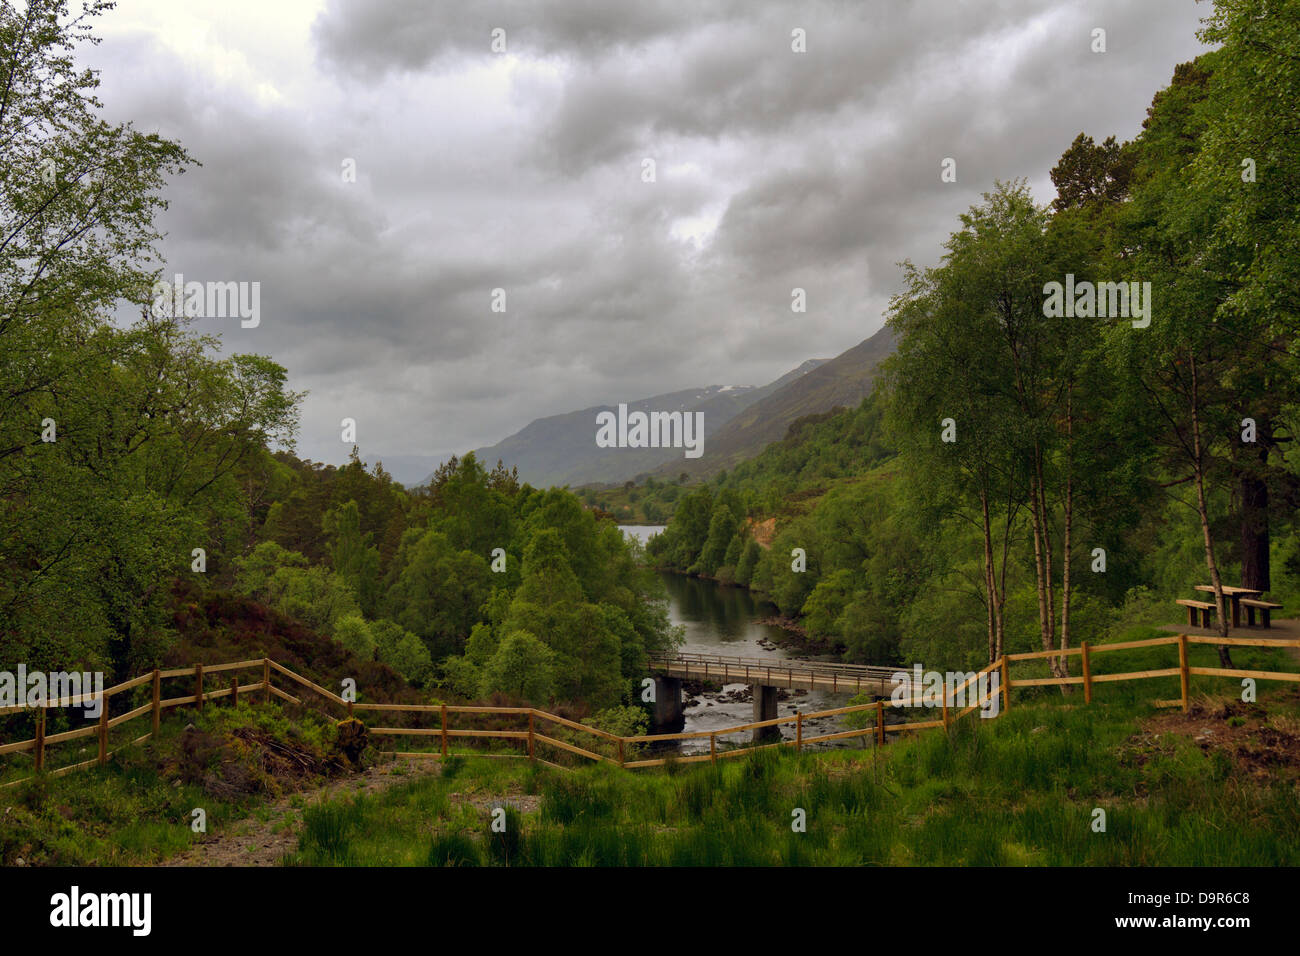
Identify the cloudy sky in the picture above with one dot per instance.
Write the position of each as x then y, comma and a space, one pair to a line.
523, 170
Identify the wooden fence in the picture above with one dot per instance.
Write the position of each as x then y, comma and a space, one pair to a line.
533, 738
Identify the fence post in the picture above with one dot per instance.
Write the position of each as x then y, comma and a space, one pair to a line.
713, 747
530, 736
945, 708
1087, 674
1184, 676
1006, 685
798, 731
198, 686
39, 754
156, 712
620, 751
234, 692
103, 729
444, 731
266, 679
880, 722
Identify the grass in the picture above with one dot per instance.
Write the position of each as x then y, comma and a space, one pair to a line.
1020, 790
1024, 789
137, 809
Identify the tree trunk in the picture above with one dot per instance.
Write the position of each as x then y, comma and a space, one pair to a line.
1253, 490
1069, 522
1042, 566
989, 582
1057, 663
1198, 471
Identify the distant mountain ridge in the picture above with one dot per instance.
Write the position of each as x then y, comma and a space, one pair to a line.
845, 381
561, 449
739, 421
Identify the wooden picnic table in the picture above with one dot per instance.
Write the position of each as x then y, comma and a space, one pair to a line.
1233, 594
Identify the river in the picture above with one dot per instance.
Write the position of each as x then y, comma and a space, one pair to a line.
726, 620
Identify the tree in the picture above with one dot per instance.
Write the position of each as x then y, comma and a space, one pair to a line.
403, 651
521, 667
1186, 363
1246, 164
969, 360
748, 559
354, 560
437, 591
722, 529
122, 447
353, 632
1089, 174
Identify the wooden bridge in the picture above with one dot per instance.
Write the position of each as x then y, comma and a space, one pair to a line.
766, 676
805, 675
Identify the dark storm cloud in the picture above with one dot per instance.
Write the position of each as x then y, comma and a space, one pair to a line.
474, 171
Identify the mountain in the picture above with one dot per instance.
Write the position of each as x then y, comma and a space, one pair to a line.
844, 380
562, 450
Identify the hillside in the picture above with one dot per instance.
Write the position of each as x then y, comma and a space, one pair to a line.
561, 449
843, 381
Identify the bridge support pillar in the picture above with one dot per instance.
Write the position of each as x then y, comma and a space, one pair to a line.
669, 715
765, 709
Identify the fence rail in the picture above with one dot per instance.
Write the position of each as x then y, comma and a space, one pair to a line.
877, 727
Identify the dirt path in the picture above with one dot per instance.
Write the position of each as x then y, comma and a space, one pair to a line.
264, 838
1283, 629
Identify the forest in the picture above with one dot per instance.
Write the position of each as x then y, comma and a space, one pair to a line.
138, 463
1025, 476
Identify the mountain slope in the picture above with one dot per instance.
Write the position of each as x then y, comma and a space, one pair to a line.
561, 449
844, 380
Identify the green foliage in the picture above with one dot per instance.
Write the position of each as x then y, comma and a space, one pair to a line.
522, 667
436, 590
283, 579
403, 651
623, 721
354, 560
123, 445
461, 676
354, 633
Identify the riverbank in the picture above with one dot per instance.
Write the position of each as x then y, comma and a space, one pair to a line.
793, 637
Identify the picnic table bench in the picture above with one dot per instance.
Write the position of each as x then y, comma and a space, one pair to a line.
1204, 607
1265, 608
1236, 596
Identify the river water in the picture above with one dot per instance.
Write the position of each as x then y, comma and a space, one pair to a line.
726, 620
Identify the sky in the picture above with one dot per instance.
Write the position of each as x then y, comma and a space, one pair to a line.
380, 169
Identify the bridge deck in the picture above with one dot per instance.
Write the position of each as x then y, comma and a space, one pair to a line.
805, 675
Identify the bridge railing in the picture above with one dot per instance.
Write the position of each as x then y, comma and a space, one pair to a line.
849, 678
531, 721
781, 663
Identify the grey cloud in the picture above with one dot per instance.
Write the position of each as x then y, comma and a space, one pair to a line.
821, 169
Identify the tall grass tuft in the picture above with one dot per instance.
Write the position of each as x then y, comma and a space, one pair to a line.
452, 849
